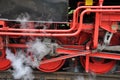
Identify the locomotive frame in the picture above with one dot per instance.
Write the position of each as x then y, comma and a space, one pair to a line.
106, 20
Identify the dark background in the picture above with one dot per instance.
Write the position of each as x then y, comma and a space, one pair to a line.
37, 10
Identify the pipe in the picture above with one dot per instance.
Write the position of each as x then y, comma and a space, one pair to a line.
65, 57
75, 16
64, 34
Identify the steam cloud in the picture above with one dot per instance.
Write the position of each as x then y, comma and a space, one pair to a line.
20, 69
23, 18
38, 49
22, 62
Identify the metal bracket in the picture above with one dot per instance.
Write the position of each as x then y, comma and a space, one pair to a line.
106, 42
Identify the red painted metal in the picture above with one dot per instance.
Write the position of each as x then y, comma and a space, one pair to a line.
2, 53
106, 17
51, 66
2, 23
87, 63
106, 55
67, 34
16, 45
96, 31
4, 63
101, 2
109, 26
75, 20
82, 53
97, 65
1, 43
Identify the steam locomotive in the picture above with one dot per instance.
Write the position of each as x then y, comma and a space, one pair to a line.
83, 34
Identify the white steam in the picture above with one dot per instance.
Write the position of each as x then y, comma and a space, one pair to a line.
23, 62
23, 18
20, 69
39, 50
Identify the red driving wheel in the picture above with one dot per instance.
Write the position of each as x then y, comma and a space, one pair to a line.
52, 66
99, 65
4, 63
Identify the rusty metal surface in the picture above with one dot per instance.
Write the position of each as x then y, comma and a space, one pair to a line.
63, 76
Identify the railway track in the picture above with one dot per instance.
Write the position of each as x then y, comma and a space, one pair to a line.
63, 76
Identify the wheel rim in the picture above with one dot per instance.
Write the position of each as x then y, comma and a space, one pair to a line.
52, 66
4, 63
99, 66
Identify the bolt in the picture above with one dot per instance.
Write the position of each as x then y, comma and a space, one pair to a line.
114, 27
